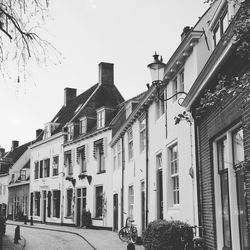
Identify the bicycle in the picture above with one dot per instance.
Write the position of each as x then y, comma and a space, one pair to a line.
128, 233
192, 241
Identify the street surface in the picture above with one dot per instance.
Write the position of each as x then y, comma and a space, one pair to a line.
38, 239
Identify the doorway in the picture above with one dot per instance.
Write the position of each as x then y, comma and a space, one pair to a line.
44, 207
115, 212
80, 204
159, 182
143, 212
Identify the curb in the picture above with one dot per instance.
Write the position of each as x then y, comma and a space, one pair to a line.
56, 230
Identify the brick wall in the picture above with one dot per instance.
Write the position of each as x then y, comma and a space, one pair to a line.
212, 124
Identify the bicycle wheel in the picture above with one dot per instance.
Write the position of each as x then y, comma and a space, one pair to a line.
133, 234
124, 234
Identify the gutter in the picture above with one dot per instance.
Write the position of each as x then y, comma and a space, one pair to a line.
147, 161
122, 191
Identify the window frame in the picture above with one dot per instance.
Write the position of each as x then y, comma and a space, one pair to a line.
99, 202
100, 118
83, 125
142, 128
174, 175
130, 144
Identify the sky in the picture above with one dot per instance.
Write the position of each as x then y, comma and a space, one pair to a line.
87, 32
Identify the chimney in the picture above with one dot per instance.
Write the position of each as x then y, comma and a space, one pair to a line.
15, 144
69, 94
38, 132
106, 73
2, 151
185, 32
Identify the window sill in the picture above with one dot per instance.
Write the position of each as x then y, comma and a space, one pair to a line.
174, 208
68, 217
97, 218
101, 172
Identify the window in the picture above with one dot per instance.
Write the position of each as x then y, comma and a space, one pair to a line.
4, 189
100, 118
99, 201
129, 109
1, 189
37, 203
175, 89
174, 175
230, 197
55, 165
221, 27
41, 169
142, 133
99, 155
131, 201
160, 108
69, 201
81, 158
70, 132
68, 162
36, 175
46, 168
23, 174
56, 203
83, 125
130, 144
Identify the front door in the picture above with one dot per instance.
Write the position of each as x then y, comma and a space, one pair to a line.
115, 205
44, 206
159, 186
78, 207
143, 212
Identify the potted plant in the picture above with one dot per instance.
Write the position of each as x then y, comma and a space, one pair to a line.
86, 219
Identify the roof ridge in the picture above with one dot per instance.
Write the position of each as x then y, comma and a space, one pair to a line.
85, 103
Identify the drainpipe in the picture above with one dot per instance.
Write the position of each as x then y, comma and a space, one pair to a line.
147, 150
197, 145
122, 191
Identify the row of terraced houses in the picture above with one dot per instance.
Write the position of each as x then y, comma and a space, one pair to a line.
119, 158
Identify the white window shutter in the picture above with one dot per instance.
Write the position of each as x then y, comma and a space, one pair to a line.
73, 155
105, 147
87, 152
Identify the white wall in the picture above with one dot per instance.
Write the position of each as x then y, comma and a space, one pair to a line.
40, 151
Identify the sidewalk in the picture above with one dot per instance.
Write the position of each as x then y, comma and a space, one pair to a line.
8, 240
100, 239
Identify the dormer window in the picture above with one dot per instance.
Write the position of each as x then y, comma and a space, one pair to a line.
83, 125
70, 132
221, 26
23, 174
100, 118
128, 110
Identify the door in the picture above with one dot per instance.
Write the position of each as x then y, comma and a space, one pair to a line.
160, 194
243, 223
143, 212
44, 206
78, 207
115, 205
159, 186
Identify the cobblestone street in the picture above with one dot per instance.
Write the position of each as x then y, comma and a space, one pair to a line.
90, 239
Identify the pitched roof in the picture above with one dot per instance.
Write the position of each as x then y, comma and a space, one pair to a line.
120, 118
12, 156
66, 113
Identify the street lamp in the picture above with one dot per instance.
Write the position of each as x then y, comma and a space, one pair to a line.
157, 69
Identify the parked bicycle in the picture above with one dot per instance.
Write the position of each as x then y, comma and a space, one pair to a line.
193, 241
129, 232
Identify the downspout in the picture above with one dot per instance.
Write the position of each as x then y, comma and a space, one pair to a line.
122, 190
147, 160
197, 145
